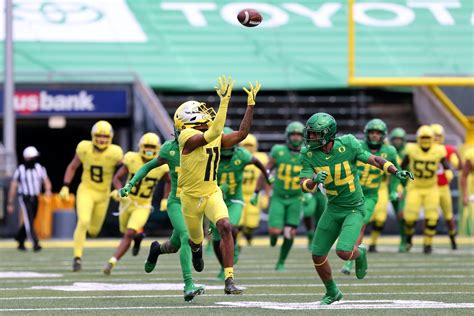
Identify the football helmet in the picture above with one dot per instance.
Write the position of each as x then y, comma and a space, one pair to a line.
191, 114
149, 145
425, 137
322, 124
375, 125
294, 128
438, 131
102, 129
250, 143
227, 152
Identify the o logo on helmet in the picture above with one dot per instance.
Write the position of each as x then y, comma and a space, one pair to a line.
341, 149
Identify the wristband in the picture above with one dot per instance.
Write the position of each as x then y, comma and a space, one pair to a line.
306, 188
387, 165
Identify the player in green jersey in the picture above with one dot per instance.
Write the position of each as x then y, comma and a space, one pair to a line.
332, 161
169, 154
284, 213
230, 177
371, 177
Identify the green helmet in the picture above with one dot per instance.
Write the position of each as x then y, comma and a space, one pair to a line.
294, 128
398, 133
375, 125
227, 152
323, 124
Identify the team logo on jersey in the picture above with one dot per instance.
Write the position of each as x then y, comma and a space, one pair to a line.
341, 149
237, 162
309, 154
383, 155
281, 153
172, 153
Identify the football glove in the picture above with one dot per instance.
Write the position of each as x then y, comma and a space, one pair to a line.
163, 205
252, 93
403, 176
64, 193
125, 191
224, 87
319, 177
115, 195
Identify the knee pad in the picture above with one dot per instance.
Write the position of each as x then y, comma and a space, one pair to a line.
431, 223
287, 232
430, 229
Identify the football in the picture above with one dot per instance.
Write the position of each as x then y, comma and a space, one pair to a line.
249, 17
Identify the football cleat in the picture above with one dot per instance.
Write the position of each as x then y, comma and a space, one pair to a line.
230, 287
198, 262
137, 240
150, 262
454, 246
192, 292
21, 247
373, 248
107, 269
427, 250
361, 263
76, 264
329, 299
280, 266
347, 267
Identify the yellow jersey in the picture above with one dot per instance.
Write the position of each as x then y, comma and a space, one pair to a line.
469, 155
197, 175
98, 167
142, 192
424, 164
252, 173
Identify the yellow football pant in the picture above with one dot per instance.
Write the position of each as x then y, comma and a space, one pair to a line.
132, 215
381, 208
445, 202
91, 206
194, 209
250, 214
428, 198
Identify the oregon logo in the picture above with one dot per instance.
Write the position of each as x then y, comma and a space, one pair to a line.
383, 155
237, 162
55, 12
172, 153
341, 149
309, 154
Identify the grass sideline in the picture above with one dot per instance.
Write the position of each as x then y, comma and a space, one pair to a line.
413, 284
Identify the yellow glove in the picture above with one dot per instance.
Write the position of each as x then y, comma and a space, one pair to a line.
163, 205
252, 93
64, 193
224, 87
449, 175
116, 196
263, 201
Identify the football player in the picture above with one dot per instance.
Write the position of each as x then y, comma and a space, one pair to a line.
371, 176
330, 160
313, 207
169, 155
230, 174
99, 159
250, 219
134, 211
284, 212
466, 222
424, 159
445, 200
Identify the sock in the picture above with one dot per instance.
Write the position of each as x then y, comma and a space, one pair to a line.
374, 235
185, 262
168, 247
273, 240
285, 249
401, 224
228, 273
310, 235
331, 287
79, 239
113, 261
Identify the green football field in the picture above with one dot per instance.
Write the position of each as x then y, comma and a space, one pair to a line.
414, 284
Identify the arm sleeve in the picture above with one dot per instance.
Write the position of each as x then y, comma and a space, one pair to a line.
219, 121
143, 171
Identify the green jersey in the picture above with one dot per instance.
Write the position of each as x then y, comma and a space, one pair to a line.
288, 167
170, 151
342, 184
371, 177
231, 171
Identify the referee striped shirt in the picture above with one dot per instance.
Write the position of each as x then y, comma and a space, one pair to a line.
30, 180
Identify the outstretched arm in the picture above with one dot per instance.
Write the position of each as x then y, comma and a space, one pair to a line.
389, 167
224, 91
141, 173
238, 136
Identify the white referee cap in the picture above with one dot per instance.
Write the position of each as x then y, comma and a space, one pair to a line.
30, 152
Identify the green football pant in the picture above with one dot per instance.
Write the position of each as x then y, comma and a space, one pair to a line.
180, 238
284, 211
336, 223
309, 209
321, 202
370, 202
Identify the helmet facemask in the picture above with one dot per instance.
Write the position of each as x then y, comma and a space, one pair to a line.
316, 138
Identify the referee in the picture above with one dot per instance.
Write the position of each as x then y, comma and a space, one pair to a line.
28, 179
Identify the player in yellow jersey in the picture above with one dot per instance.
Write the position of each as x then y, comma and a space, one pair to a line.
135, 210
251, 213
200, 140
99, 158
424, 159
445, 197
466, 221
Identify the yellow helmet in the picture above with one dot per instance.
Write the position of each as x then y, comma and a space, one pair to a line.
191, 114
250, 143
149, 146
438, 133
425, 137
102, 129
